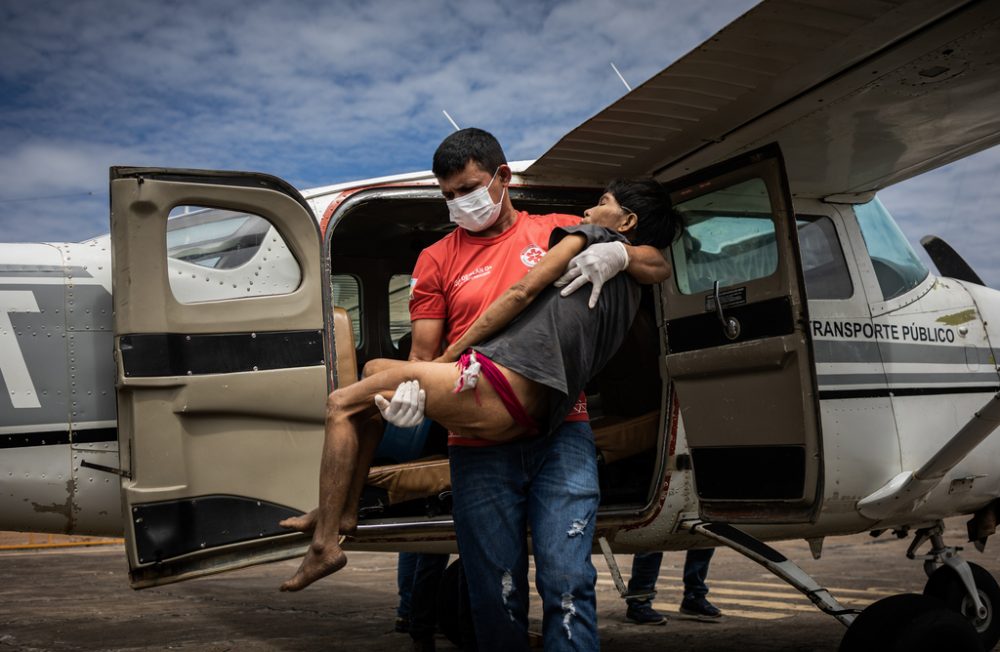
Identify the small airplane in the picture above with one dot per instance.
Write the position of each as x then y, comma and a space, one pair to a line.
811, 378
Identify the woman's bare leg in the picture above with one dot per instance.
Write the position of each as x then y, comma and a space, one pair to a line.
347, 411
369, 437
349, 519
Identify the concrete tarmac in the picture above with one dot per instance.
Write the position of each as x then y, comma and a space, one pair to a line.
79, 599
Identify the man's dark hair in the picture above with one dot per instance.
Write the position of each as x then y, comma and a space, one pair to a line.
659, 225
466, 145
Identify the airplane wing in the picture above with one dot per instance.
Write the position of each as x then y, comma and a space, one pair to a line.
859, 95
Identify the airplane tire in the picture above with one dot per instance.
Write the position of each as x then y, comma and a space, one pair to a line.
945, 585
910, 622
454, 614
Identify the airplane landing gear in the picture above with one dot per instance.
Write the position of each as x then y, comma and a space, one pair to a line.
963, 587
909, 622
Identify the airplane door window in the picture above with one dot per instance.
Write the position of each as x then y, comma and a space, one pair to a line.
897, 267
347, 295
399, 307
728, 237
218, 254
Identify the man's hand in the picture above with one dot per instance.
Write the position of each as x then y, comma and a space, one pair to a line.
596, 264
406, 409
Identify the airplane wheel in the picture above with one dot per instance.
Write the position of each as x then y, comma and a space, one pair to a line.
454, 614
945, 585
910, 622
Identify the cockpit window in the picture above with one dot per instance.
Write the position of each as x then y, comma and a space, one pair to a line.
823, 265
728, 237
215, 254
897, 267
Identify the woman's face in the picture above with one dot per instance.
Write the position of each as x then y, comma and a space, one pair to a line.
608, 213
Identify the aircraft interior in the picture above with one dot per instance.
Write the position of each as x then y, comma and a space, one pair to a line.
373, 246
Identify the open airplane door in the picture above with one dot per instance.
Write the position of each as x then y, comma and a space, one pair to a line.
738, 349
219, 345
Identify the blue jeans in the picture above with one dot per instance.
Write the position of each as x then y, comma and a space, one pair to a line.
547, 483
406, 566
418, 575
646, 568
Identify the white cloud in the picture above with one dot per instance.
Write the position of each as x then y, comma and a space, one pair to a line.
320, 92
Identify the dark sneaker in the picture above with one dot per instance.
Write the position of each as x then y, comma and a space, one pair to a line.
643, 614
699, 609
402, 625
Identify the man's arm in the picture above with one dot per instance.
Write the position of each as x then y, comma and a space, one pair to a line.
647, 265
427, 335
518, 297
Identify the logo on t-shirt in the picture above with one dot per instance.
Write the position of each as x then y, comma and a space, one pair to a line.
531, 255
478, 272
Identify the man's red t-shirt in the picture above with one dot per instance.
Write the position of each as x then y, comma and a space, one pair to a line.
460, 275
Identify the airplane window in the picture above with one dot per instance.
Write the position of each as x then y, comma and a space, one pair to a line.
728, 237
215, 254
823, 264
399, 307
347, 295
897, 267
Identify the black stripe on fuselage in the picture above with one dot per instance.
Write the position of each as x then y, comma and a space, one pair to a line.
173, 354
885, 392
58, 437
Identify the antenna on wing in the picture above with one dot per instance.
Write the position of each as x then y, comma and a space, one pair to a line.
615, 68
453, 123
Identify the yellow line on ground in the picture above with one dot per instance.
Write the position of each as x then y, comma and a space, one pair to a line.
671, 610
764, 604
67, 544
712, 582
781, 595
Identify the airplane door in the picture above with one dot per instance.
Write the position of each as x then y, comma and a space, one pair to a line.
738, 348
219, 345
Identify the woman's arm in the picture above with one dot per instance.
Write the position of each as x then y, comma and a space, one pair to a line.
647, 265
518, 297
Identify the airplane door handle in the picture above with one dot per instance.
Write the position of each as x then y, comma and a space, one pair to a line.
730, 325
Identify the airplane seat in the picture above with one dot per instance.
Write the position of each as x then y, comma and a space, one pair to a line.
344, 348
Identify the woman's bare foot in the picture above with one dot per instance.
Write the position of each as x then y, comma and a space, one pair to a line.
319, 562
305, 523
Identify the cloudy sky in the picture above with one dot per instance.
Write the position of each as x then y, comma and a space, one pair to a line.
323, 92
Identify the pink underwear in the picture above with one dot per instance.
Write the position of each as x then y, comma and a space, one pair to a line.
503, 389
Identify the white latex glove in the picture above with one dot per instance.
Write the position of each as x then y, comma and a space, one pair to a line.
597, 264
406, 409
469, 377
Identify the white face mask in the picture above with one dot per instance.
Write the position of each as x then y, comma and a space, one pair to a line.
476, 211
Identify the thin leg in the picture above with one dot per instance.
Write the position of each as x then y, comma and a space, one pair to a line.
348, 409
369, 439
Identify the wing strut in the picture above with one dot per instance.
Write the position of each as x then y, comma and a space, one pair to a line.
909, 489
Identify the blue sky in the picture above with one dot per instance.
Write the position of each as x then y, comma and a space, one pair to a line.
322, 92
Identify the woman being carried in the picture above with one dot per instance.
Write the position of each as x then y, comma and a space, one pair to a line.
535, 366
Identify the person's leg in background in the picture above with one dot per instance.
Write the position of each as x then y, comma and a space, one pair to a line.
645, 570
405, 567
423, 610
695, 604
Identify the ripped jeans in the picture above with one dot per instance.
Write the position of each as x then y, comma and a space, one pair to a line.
547, 483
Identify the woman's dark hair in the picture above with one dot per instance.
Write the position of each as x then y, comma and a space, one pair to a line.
658, 224
466, 145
